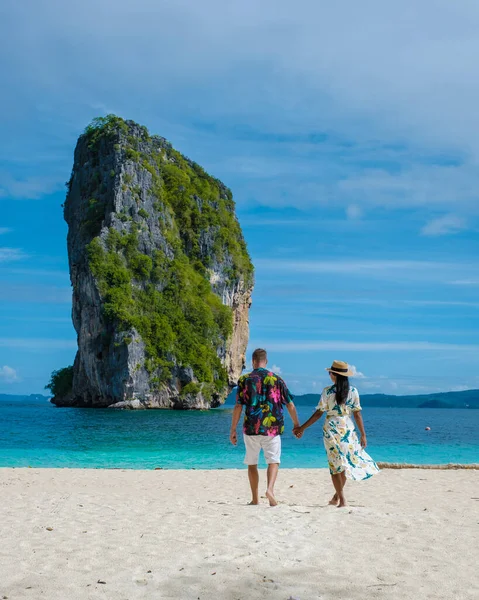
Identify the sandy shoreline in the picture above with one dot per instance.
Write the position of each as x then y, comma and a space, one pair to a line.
189, 534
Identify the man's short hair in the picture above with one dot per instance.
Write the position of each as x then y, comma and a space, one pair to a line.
260, 355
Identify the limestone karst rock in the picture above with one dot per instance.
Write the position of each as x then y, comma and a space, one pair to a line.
161, 276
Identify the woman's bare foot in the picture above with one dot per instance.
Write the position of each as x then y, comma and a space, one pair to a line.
271, 498
334, 500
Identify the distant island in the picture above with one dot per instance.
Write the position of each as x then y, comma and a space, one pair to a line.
465, 399
23, 398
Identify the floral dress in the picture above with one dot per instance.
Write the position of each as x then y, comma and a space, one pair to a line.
340, 438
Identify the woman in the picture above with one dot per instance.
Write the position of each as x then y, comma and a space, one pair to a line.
346, 456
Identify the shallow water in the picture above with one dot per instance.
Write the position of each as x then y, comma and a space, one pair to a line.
35, 433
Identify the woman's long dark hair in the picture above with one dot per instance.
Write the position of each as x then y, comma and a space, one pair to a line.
342, 389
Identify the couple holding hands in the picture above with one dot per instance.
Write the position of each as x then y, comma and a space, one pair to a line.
263, 394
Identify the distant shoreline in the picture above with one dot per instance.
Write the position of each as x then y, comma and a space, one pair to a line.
467, 399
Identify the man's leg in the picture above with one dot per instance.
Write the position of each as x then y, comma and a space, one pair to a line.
253, 447
272, 454
272, 474
253, 476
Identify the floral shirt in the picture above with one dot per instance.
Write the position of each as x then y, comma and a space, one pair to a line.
263, 394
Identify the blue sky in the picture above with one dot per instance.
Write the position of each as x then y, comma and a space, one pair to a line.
348, 134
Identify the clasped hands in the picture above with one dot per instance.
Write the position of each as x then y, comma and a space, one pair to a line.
298, 431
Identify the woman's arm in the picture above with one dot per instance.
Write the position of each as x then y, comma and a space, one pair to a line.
358, 417
298, 431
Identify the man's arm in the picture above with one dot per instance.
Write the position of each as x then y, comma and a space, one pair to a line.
237, 410
292, 413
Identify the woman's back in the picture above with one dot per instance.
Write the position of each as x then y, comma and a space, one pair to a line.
329, 405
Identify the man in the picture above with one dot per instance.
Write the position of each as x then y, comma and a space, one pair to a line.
263, 394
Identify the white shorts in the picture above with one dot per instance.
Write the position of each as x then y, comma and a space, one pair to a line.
271, 447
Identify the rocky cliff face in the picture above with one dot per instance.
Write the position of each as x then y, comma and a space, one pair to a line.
161, 277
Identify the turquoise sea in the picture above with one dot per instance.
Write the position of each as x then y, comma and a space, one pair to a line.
35, 433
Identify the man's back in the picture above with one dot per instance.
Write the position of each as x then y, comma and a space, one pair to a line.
263, 393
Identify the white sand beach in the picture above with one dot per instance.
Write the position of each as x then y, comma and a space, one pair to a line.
87, 534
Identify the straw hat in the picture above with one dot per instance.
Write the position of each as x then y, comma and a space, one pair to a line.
340, 368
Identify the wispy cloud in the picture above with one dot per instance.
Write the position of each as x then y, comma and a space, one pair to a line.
42, 319
465, 282
31, 188
11, 254
383, 149
10, 292
445, 225
8, 374
442, 303
348, 266
37, 343
38, 272
4, 230
306, 346
276, 369
407, 270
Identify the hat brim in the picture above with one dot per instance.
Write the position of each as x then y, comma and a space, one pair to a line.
349, 373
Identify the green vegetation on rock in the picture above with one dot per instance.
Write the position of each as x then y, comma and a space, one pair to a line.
197, 201
61, 382
185, 320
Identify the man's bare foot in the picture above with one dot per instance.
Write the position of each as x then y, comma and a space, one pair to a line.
253, 503
271, 498
342, 502
334, 500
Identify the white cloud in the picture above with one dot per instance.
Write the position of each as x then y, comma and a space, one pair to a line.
11, 254
357, 373
445, 225
276, 369
4, 230
8, 374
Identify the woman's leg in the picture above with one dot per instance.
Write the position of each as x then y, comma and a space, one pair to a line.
342, 499
339, 481
338, 487
335, 499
